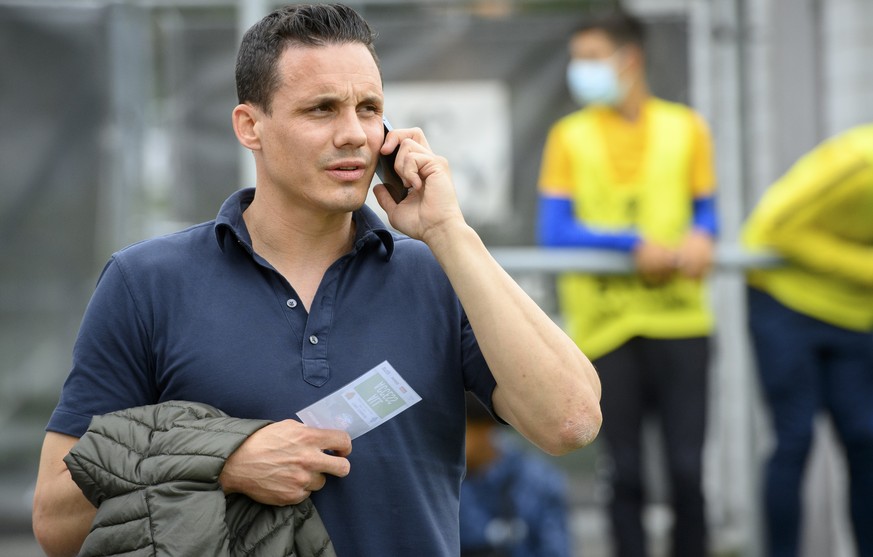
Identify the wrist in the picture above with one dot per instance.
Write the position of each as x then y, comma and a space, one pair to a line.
226, 479
447, 234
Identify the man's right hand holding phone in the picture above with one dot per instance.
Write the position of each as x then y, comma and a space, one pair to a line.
431, 202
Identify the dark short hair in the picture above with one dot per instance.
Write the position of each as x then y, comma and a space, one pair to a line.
257, 77
621, 27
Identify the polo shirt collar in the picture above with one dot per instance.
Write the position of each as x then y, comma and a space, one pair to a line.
370, 227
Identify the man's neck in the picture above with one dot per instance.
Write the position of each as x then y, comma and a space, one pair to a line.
283, 233
632, 106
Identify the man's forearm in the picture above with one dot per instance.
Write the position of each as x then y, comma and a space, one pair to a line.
546, 387
826, 253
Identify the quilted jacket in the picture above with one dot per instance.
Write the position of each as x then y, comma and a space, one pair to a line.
152, 472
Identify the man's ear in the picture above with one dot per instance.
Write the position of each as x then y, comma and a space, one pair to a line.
245, 125
636, 56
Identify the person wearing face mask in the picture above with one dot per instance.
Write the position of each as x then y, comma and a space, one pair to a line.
634, 173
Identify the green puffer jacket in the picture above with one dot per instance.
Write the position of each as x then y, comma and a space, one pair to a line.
152, 472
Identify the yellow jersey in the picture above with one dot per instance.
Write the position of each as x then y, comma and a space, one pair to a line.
819, 216
621, 175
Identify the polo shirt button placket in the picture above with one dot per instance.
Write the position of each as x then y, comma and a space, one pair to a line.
313, 339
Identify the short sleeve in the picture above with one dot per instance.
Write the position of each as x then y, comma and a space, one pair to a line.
477, 374
110, 368
702, 164
556, 179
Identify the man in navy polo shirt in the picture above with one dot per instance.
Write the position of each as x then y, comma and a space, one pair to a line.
297, 288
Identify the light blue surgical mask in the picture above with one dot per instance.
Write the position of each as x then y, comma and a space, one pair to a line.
594, 82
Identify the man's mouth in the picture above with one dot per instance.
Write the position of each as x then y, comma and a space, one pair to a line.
348, 171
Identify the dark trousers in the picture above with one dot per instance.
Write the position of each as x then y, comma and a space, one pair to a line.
806, 366
667, 378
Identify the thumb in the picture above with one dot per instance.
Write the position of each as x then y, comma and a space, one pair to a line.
384, 198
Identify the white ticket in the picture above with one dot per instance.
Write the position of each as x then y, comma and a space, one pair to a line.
366, 403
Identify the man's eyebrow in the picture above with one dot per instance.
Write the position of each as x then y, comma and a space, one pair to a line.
325, 98
373, 99
333, 98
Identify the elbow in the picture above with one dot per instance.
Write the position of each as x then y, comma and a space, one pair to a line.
48, 530
52, 544
580, 419
575, 431
43, 531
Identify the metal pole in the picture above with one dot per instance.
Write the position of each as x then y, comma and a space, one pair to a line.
248, 13
733, 384
129, 80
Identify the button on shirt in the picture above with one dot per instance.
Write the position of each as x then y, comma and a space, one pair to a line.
199, 316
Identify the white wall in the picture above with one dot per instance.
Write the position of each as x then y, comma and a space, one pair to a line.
848, 35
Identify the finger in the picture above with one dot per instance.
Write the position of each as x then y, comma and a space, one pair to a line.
397, 136
324, 439
417, 135
384, 198
318, 481
338, 466
408, 167
337, 441
391, 141
418, 166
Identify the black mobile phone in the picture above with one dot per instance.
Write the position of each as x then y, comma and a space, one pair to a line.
385, 171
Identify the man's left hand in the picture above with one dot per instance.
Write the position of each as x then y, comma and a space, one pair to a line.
696, 255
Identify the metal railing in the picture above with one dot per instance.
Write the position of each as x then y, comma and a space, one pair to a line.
728, 257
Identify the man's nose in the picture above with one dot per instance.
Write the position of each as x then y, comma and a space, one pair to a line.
350, 131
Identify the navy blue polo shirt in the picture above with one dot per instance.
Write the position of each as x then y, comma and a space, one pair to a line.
198, 316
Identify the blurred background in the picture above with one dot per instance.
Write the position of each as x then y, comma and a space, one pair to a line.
116, 127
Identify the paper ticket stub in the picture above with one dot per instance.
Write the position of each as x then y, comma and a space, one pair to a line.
366, 403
